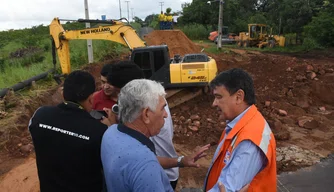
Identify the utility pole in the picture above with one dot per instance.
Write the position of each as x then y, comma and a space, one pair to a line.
120, 9
132, 14
220, 24
89, 41
161, 4
127, 4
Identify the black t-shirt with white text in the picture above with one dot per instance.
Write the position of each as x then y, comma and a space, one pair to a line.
67, 143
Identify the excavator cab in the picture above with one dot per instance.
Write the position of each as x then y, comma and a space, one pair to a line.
154, 61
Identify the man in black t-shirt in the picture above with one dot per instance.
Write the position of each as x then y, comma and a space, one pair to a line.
67, 139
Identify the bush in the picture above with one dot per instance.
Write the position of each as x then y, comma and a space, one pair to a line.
47, 46
154, 24
104, 50
31, 40
196, 31
290, 39
136, 26
310, 43
240, 25
321, 29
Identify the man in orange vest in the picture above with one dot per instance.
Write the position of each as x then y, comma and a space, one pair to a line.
246, 153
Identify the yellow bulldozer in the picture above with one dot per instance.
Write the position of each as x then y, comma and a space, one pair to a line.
260, 35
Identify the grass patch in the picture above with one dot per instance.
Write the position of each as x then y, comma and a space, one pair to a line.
214, 50
10, 47
17, 73
13, 71
196, 31
204, 41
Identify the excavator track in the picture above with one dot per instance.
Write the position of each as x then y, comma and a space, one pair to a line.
176, 97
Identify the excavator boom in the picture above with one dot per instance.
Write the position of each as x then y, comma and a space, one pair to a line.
117, 32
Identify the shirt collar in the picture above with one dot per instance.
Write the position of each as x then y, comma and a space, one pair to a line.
72, 105
137, 135
231, 124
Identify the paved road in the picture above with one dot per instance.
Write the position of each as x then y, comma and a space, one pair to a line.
319, 177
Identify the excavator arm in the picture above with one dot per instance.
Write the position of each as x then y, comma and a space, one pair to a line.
117, 32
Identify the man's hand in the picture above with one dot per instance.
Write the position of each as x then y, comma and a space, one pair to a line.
190, 160
105, 121
112, 117
222, 188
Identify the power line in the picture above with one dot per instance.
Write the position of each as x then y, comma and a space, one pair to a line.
161, 4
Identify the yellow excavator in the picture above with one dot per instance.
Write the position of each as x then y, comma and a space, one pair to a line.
190, 70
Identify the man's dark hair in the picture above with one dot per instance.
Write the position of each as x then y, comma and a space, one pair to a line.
78, 86
106, 69
123, 72
233, 80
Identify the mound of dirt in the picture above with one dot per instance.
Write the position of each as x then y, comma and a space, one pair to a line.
176, 40
15, 137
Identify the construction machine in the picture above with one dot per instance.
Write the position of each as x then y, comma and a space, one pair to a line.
227, 38
190, 70
260, 35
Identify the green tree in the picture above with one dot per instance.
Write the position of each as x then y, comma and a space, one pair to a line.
138, 20
168, 10
321, 28
150, 18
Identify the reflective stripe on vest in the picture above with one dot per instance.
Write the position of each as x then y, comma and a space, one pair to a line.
265, 141
233, 142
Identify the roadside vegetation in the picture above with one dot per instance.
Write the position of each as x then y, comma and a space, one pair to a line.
27, 53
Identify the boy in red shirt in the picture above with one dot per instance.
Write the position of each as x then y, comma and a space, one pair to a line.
107, 96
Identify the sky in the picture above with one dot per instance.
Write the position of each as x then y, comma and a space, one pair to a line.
19, 14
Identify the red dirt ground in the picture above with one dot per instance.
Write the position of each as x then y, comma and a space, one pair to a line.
301, 85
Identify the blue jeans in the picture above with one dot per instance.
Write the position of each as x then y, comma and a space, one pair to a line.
161, 25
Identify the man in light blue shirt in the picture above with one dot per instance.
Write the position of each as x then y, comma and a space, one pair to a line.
235, 166
127, 153
129, 165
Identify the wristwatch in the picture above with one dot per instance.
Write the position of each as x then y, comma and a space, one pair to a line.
179, 161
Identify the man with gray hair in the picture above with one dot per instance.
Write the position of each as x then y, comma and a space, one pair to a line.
128, 155
125, 71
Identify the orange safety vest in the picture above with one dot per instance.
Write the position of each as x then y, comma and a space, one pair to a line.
252, 126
